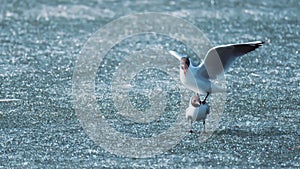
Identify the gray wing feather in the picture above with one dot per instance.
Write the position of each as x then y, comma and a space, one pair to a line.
219, 59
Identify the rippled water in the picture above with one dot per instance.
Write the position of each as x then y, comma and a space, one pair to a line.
41, 40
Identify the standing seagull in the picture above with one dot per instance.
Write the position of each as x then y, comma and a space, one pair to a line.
216, 62
197, 111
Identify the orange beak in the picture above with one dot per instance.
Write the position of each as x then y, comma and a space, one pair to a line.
184, 71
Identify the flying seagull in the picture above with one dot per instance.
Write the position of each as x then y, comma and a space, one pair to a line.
216, 62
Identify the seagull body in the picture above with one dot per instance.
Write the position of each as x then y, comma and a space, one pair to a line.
197, 111
216, 62
196, 83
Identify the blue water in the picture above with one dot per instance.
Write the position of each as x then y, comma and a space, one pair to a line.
41, 40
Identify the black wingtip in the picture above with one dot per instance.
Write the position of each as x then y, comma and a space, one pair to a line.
267, 41
259, 43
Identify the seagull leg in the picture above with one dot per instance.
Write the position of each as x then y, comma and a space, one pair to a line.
191, 126
204, 101
204, 131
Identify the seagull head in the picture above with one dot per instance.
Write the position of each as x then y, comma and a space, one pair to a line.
184, 64
195, 101
184, 60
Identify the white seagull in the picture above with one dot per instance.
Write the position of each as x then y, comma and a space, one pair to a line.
197, 111
216, 62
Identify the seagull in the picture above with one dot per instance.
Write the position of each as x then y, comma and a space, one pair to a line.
216, 62
196, 111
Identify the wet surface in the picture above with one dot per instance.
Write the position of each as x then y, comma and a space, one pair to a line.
40, 41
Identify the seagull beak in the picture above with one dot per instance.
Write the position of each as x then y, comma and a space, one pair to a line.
184, 71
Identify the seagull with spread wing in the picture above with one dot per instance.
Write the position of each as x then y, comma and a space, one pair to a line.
216, 62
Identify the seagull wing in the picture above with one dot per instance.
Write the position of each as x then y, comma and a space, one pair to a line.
219, 58
176, 54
